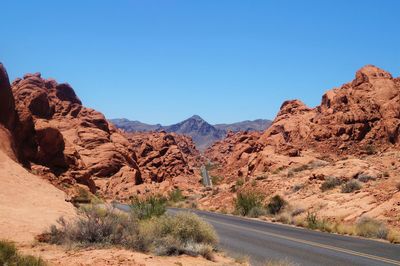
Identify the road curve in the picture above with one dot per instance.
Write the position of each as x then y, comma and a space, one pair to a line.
263, 241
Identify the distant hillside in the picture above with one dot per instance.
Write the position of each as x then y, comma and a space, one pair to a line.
255, 125
202, 133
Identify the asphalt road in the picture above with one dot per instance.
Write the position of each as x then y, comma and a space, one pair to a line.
263, 241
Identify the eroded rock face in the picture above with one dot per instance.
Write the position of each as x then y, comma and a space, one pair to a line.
363, 112
360, 117
162, 156
66, 141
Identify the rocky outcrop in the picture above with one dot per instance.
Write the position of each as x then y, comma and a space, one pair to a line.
162, 156
362, 113
8, 115
360, 117
65, 141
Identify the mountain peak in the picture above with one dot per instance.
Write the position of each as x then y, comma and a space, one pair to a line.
196, 117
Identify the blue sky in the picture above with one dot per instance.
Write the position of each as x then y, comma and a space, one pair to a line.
225, 60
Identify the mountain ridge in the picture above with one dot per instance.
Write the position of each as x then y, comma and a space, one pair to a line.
203, 133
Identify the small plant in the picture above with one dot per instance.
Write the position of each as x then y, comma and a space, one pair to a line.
239, 182
247, 200
176, 195
145, 208
261, 177
276, 204
253, 183
216, 180
297, 187
9, 255
368, 227
365, 178
369, 149
257, 212
386, 174
312, 220
351, 186
330, 183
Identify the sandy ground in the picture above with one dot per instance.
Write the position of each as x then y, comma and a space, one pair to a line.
56, 255
28, 204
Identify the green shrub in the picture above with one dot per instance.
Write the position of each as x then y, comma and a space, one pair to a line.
145, 208
247, 200
176, 195
330, 183
9, 256
276, 204
184, 233
312, 220
96, 226
351, 186
368, 227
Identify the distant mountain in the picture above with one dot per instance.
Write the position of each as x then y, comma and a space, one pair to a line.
135, 126
202, 133
255, 125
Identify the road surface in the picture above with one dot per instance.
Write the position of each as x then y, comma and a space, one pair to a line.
263, 241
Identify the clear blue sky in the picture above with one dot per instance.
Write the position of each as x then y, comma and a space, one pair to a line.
225, 60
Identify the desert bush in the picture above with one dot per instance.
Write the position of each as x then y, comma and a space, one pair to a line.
247, 200
297, 211
176, 195
184, 233
368, 227
369, 149
351, 186
330, 183
216, 180
312, 220
284, 218
147, 207
261, 177
239, 182
96, 226
393, 237
9, 256
276, 204
365, 178
256, 212
297, 187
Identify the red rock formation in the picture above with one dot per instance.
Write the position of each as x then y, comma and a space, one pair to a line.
163, 156
362, 116
364, 112
66, 141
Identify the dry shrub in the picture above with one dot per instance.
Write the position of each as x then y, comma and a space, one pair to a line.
351, 186
9, 255
368, 227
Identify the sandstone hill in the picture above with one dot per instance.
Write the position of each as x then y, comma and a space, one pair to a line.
352, 135
202, 133
54, 136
